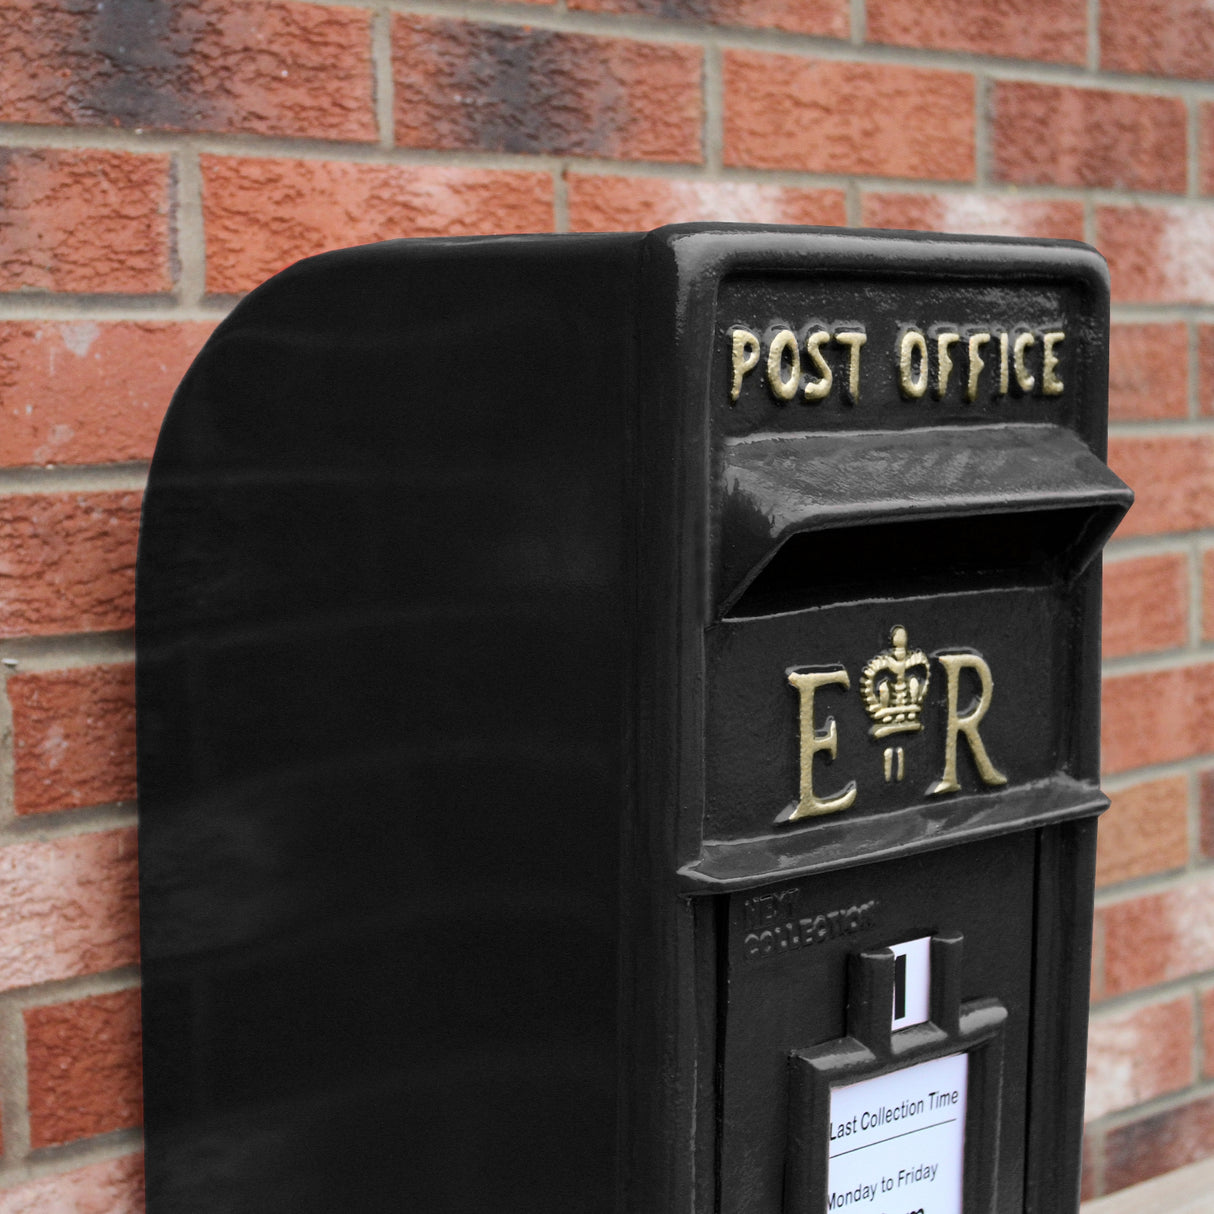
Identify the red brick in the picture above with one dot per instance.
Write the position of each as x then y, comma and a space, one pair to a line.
1051, 30
1050, 135
83, 220
68, 907
1161, 254
1159, 937
269, 67
1137, 1055
83, 1067
1206, 794
1157, 37
1173, 479
984, 214
318, 205
1145, 830
1207, 1031
1205, 368
88, 392
829, 18
621, 204
1207, 594
1159, 1143
1090, 1184
496, 88
114, 1186
1146, 603
1148, 371
834, 117
73, 737
67, 562
1157, 716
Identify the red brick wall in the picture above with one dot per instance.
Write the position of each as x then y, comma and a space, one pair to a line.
159, 157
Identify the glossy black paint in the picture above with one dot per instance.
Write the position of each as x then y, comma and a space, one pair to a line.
466, 600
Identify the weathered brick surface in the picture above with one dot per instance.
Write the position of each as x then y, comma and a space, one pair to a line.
1159, 1143
1145, 830
271, 67
84, 1070
1173, 480
1162, 254
1052, 135
1159, 937
1053, 31
1145, 604
88, 391
984, 214
67, 562
833, 117
1207, 1032
68, 907
261, 215
1137, 1055
497, 88
73, 737
1148, 371
829, 18
1205, 368
1157, 716
1206, 837
619, 204
83, 220
1158, 37
114, 1186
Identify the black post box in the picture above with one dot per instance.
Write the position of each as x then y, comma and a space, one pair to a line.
618, 729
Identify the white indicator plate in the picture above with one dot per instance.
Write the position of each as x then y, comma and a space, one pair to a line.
912, 982
897, 1142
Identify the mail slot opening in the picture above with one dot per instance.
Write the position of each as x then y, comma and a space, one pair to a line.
924, 556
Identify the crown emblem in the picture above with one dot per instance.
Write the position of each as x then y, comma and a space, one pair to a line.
893, 685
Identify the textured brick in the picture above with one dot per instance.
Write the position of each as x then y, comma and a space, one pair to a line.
1173, 479
1206, 841
621, 204
1158, 1144
1205, 368
492, 88
264, 66
1148, 371
833, 117
1051, 30
1158, 37
828, 17
1137, 1055
1207, 594
1159, 937
1207, 1031
68, 907
73, 737
1157, 716
1049, 135
83, 220
1145, 830
83, 1066
112, 1187
1161, 254
982, 214
88, 392
1145, 604
1089, 1186
261, 215
67, 562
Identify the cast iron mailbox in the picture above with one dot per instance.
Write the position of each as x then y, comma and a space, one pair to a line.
618, 729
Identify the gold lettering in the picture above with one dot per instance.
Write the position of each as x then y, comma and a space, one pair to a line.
745, 359
966, 723
813, 743
816, 389
977, 341
913, 386
853, 341
1024, 376
945, 364
1003, 381
784, 389
1051, 385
